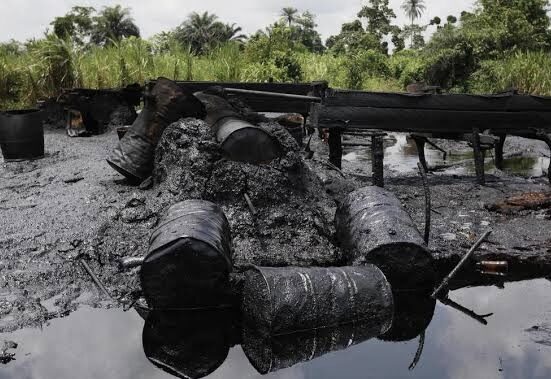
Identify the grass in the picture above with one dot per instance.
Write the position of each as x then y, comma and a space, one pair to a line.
528, 72
48, 65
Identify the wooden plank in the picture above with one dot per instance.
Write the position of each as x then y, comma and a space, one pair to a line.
460, 102
264, 104
436, 121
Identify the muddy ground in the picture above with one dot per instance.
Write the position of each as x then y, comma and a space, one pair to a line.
71, 205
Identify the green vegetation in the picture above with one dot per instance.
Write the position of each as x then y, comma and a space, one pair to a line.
502, 44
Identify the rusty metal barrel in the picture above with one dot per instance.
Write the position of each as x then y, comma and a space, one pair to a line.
189, 258
244, 142
373, 227
286, 300
239, 139
22, 134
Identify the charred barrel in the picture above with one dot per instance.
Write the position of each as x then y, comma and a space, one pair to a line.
189, 258
22, 134
239, 139
166, 103
373, 227
286, 300
272, 353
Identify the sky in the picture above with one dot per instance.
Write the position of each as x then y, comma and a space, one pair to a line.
24, 19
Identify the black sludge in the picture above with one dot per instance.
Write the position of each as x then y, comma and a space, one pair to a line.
166, 103
189, 258
190, 344
240, 140
22, 134
280, 301
373, 227
273, 353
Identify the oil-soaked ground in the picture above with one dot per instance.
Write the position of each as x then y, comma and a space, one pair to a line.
62, 208
93, 343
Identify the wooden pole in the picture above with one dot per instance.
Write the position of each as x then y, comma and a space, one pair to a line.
499, 151
335, 147
478, 158
378, 156
427, 202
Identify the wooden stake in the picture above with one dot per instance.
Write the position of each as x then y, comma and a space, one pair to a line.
428, 205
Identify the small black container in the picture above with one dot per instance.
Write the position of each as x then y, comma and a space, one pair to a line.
22, 134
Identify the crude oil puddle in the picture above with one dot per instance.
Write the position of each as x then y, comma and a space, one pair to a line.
402, 157
94, 343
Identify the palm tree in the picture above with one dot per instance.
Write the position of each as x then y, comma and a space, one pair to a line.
227, 32
203, 31
198, 31
289, 14
113, 24
414, 9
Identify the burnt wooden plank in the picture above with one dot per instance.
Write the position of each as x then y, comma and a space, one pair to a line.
436, 121
459, 102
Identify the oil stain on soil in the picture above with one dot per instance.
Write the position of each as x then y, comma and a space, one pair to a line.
70, 206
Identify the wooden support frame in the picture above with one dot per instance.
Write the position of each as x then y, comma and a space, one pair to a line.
335, 147
478, 158
378, 156
499, 151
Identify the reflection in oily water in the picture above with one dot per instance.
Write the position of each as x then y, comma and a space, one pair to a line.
194, 344
190, 344
413, 312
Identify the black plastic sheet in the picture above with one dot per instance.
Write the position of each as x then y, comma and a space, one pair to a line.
189, 258
373, 227
285, 300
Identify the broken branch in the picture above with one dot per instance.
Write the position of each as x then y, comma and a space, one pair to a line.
461, 263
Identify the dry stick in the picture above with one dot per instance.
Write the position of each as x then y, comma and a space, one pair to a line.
480, 318
428, 205
250, 204
446, 281
437, 148
95, 279
419, 351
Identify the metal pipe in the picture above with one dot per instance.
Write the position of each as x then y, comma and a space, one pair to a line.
313, 99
